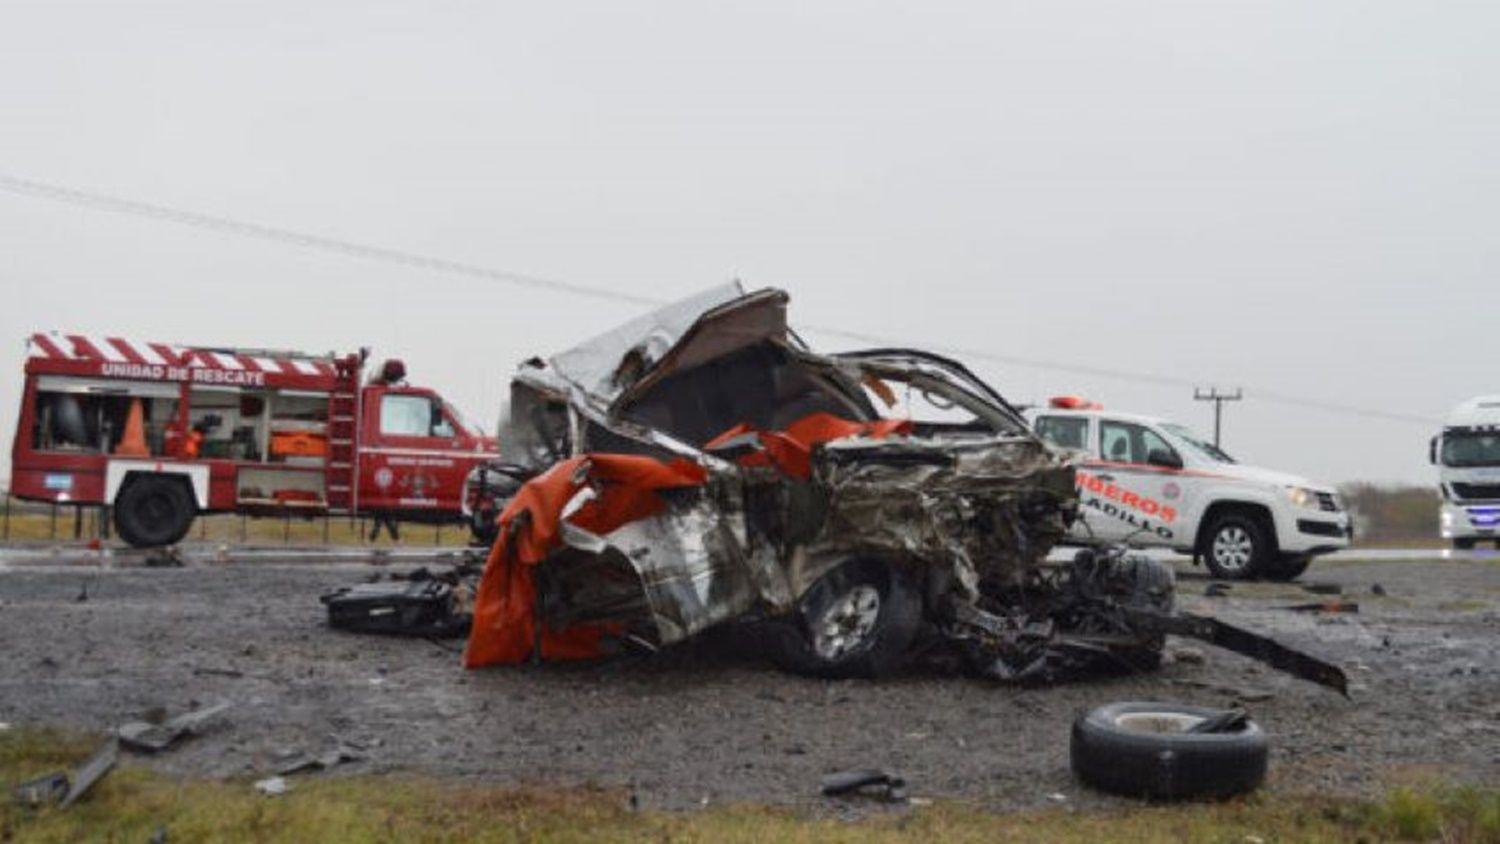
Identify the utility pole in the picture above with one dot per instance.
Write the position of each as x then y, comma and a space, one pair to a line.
1218, 399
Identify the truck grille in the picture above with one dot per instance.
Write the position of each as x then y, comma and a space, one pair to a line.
1476, 492
1326, 501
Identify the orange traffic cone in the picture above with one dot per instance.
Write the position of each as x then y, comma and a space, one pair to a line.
133, 443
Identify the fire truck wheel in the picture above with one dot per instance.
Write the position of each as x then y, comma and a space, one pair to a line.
153, 511
1146, 750
1289, 567
1236, 547
858, 620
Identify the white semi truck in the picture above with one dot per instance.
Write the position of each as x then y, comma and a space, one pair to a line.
1467, 454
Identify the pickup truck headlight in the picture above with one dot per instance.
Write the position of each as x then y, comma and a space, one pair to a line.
1303, 497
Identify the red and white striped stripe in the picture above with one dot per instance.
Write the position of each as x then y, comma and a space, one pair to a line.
85, 347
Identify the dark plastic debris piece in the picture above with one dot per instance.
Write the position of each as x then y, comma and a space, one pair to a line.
1230, 720
881, 784
1325, 606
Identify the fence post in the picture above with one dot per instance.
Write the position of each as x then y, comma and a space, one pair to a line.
52, 529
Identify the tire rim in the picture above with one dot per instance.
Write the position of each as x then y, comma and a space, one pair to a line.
1157, 723
847, 623
1233, 548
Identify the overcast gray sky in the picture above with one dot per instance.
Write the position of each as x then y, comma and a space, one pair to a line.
1297, 198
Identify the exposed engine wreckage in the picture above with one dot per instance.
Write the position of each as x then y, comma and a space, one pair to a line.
700, 465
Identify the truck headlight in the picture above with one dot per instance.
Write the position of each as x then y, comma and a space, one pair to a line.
1302, 497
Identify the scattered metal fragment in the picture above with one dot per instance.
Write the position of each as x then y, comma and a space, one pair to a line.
1323, 588
1216, 589
320, 762
48, 788
91, 771
1377, 589
871, 781
146, 737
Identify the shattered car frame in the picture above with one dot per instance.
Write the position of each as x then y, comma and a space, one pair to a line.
706, 466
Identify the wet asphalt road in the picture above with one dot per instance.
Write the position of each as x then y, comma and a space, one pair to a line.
90, 647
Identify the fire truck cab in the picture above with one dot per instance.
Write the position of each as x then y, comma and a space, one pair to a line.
161, 433
1153, 482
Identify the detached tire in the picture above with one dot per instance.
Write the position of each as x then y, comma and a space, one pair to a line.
1237, 547
858, 620
1144, 750
154, 511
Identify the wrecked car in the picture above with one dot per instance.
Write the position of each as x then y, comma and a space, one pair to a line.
701, 465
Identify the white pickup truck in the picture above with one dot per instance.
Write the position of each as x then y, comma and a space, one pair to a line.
1153, 482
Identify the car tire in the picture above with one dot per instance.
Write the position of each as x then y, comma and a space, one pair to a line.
1139, 749
858, 620
154, 511
1236, 547
1288, 567
1466, 544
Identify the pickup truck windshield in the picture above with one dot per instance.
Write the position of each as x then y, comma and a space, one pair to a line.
1471, 448
1186, 437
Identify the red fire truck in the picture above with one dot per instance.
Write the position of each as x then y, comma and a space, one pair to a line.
161, 433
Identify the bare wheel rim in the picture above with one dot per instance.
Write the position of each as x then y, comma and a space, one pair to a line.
847, 623
1233, 548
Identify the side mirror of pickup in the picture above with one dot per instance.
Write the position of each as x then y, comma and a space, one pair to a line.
1164, 458
1432, 445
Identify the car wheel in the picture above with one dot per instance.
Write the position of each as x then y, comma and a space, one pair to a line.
1288, 567
1147, 750
856, 621
1465, 544
154, 511
1236, 548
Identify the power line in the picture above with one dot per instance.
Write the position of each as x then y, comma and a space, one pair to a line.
103, 202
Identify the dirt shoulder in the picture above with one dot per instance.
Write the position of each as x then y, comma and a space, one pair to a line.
90, 649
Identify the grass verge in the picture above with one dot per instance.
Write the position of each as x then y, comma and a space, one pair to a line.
133, 804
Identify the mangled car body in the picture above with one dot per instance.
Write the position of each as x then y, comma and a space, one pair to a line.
701, 465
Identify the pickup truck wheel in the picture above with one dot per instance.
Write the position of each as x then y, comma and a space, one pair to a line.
1236, 548
1146, 750
856, 621
154, 511
1288, 567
